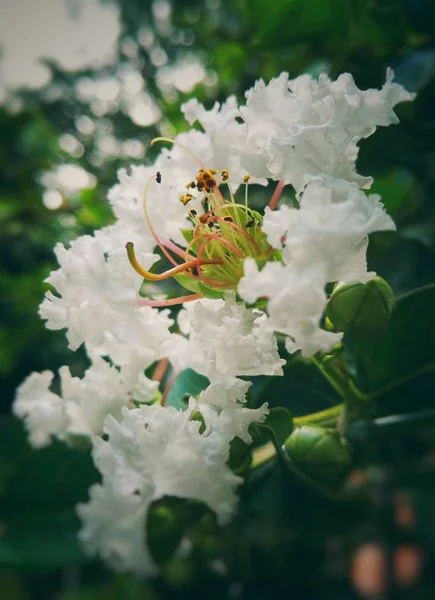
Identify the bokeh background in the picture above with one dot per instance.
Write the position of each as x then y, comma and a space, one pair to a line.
84, 87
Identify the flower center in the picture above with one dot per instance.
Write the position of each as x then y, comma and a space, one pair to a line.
223, 234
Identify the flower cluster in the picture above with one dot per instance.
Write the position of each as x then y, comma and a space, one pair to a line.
247, 277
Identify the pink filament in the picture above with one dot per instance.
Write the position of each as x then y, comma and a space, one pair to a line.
167, 388
169, 301
276, 194
175, 249
160, 370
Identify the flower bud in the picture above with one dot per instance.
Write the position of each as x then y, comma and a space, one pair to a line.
361, 305
319, 453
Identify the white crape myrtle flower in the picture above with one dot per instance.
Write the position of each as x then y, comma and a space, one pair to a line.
95, 286
43, 411
83, 405
226, 256
269, 108
153, 452
138, 191
304, 128
324, 240
223, 134
222, 406
114, 528
96, 299
296, 300
226, 339
330, 227
177, 167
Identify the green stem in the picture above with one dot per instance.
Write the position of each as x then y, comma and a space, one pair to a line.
322, 417
335, 380
326, 418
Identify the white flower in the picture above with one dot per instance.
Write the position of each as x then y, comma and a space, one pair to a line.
325, 139
296, 300
153, 452
268, 109
82, 406
166, 213
223, 133
303, 128
222, 406
226, 339
43, 412
97, 293
276, 224
114, 528
89, 400
329, 228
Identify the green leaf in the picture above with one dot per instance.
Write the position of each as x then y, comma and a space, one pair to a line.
240, 456
45, 542
280, 421
187, 383
401, 352
394, 189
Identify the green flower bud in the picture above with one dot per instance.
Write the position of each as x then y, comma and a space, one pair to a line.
319, 453
362, 305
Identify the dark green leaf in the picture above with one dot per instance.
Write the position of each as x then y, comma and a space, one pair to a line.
280, 421
403, 351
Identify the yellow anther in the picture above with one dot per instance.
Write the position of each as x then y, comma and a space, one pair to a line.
185, 198
205, 180
224, 175
246, 178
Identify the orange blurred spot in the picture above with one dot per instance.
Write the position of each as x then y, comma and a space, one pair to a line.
368, 570
404, 513
408, 565
357, 478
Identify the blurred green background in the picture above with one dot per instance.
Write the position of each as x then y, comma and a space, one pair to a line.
62, 141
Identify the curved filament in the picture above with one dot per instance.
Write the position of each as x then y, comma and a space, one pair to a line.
169, 301
171, 272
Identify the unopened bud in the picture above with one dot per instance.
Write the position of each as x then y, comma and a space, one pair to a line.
319, 453
361, 305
